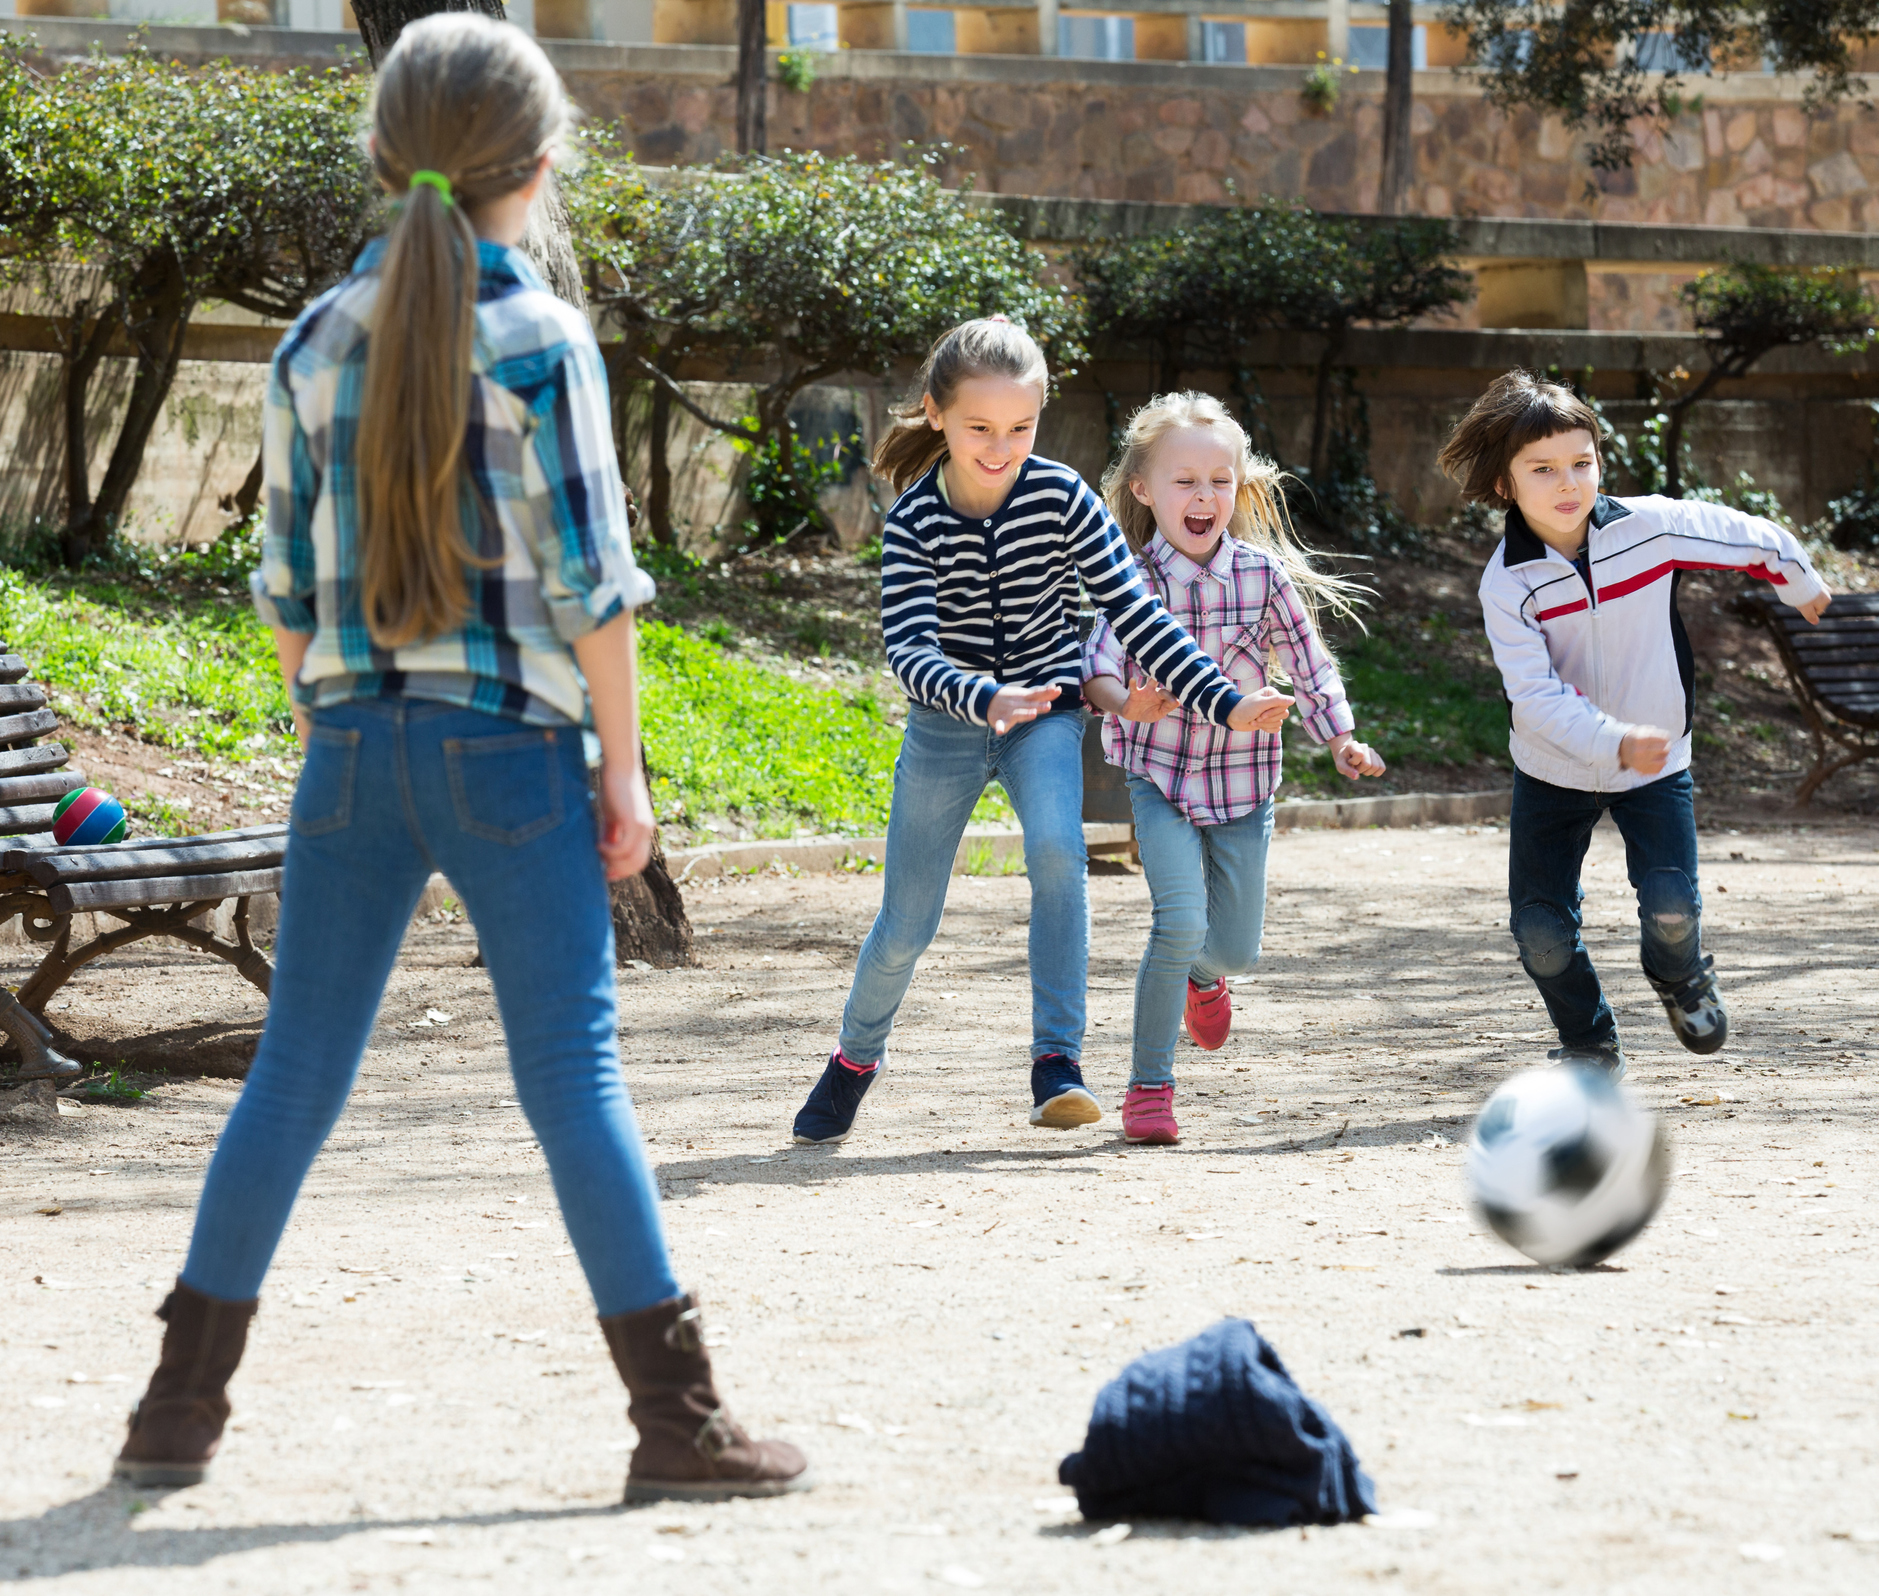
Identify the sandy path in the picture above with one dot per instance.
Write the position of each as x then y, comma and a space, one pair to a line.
930, 1309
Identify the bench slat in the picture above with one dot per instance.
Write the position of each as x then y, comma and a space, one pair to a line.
207, 839
35, 723
76, 897
54, 784
16, 697
12, 667
149, 864
18, 761
25, 820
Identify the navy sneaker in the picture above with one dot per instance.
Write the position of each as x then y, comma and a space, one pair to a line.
829, 1115
1059, 1099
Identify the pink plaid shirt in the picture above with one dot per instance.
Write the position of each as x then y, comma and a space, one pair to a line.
1241, 608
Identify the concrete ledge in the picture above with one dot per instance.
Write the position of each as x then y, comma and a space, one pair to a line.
1404, 809
982, 848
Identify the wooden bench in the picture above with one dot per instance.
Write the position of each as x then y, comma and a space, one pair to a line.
1834, 668
158, 887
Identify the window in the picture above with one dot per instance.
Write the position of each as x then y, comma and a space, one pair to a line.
932, 32
814, 28
1223, 42
1659, 52
1096, 38
1370, 48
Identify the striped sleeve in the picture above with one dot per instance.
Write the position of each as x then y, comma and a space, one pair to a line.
285, 583
1148, 633
910, 622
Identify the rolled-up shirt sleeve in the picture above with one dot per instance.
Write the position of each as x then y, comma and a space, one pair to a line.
588, 573
1103, 653
285, 585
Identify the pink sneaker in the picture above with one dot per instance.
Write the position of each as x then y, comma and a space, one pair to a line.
1148, 1116
1209, 1014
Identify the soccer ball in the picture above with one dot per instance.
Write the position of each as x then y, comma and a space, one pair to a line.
1565, 1165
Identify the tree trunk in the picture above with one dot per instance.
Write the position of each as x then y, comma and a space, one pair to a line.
659, 466
1673, 447
1399, 156
86, 340
1321, 407
241, 503
161, 321
647, 909
752, 90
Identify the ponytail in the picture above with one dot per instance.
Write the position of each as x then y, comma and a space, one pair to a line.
464, 110
992, 346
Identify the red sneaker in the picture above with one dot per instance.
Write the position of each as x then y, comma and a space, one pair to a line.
1148, 1116
1209, 1014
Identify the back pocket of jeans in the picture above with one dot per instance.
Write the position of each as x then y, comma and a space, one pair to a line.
323, 798
506, 789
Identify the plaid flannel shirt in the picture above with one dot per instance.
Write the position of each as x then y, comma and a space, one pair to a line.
1242, 609
539, 449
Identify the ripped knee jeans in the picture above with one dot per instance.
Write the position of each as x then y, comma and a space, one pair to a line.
1549, 833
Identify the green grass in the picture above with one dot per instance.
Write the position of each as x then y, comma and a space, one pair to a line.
731, 736
189, 671
1414, 700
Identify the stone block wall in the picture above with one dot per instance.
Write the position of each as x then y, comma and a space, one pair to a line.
1165, 131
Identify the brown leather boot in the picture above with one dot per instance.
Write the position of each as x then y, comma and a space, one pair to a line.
175, 1430
690, 1449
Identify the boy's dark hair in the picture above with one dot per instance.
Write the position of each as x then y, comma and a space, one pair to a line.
1518, 409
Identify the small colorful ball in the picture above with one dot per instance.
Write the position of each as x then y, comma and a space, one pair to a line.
89, 815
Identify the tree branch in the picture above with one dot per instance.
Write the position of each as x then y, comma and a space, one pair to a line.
729, 428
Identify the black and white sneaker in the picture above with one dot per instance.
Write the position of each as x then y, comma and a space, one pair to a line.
1695, 1009
1608, 1056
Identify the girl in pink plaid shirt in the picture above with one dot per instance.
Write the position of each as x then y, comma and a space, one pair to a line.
1204, 516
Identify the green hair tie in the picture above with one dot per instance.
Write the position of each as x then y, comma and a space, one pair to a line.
436, 180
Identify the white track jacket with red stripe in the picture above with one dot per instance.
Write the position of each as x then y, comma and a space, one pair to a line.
1589, 649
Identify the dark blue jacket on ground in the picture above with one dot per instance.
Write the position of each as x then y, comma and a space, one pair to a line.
1215, 1429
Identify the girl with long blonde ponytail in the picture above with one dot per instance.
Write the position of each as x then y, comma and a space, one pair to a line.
1206, 518
451, 586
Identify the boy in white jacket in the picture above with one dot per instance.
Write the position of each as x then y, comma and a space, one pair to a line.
1581, 607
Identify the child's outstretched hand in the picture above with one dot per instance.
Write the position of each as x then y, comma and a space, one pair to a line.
1815, 607
1148, 702
1264, 710
1013, 706
1354, 759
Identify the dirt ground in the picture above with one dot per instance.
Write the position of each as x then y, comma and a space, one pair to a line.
929, 1310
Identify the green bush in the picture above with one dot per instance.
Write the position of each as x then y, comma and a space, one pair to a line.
794, 268
136, 188
1199, 295
1746, 310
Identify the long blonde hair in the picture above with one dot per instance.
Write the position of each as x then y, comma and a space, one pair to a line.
476, 101
1259, 515
992, 346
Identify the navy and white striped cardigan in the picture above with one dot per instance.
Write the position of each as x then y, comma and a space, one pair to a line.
970, 604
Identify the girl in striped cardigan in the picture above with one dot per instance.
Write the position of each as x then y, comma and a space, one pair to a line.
983, 552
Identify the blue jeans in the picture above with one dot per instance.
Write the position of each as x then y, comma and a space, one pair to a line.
1209, 889
944, 766
392, 790
1548, 834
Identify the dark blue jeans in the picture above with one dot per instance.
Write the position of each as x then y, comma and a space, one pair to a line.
1547, 838
391, 791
